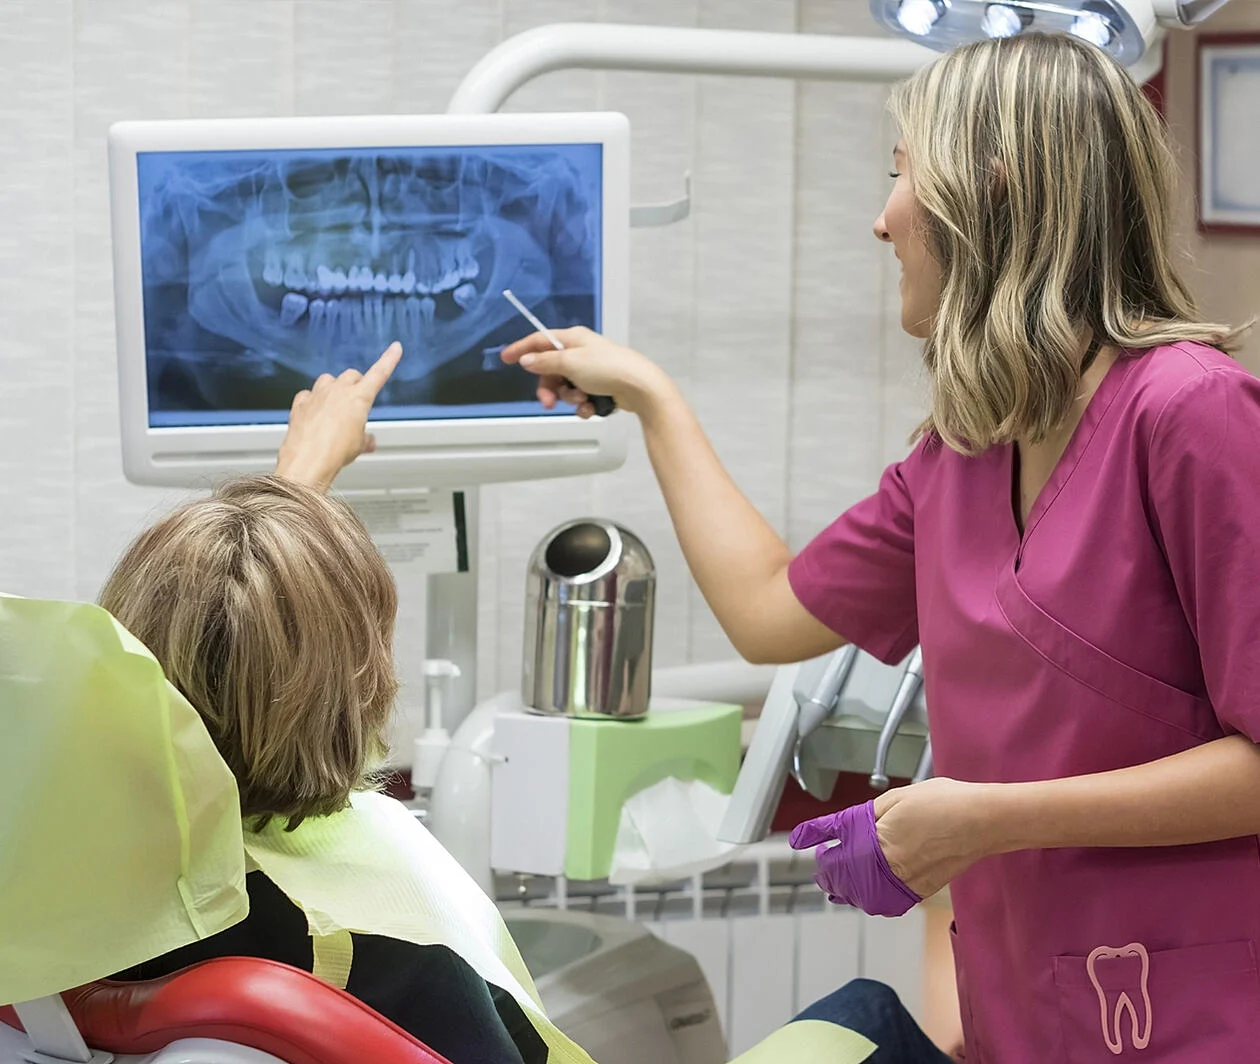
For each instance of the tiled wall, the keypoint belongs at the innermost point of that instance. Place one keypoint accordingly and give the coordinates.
(771, 304)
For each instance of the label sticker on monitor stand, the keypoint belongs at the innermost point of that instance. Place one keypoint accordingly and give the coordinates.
(417, 532)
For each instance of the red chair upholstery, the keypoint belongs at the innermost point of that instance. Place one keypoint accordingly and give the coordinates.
(257, 1003)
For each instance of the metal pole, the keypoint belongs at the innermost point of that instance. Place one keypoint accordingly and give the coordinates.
(611, 46)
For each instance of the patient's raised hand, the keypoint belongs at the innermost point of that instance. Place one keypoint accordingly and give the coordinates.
(328, 423)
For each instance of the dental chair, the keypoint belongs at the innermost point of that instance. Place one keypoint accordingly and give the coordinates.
(120, 840)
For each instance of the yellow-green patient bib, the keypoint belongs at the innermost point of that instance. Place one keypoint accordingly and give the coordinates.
(120, 831)
(374, 869)
(810, 1042)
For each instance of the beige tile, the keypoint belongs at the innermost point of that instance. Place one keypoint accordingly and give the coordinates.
(36, 263)
(240, 58)
(130, 61)
(432, 51)
(343, 57)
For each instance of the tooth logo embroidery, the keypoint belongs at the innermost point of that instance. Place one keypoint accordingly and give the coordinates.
(1113, 1014)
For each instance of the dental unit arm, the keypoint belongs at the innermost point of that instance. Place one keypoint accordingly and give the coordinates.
(859, 693)
(907, 691)
(800, 699)
(821, 702)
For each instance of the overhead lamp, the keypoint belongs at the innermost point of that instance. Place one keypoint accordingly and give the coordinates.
(1093, 27)
(917, 17)
(1126, 29)
(1003, 20)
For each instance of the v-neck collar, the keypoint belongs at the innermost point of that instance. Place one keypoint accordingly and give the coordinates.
(1093, 415)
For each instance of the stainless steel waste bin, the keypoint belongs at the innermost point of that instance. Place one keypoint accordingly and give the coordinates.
(589, 602)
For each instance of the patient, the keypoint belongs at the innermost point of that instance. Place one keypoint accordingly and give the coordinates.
(272, 611)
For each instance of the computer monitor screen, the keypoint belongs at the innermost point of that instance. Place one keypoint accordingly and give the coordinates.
(264, 268)
(253, 255)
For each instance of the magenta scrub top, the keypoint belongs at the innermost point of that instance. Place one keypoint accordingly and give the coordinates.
(1122, 627)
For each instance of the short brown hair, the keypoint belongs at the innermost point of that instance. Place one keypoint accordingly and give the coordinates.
(272, 611)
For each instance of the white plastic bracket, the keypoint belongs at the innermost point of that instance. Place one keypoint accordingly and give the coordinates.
(653, 214)
(54, 1037)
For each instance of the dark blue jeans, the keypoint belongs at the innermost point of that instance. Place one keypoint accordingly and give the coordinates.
(874, 1010)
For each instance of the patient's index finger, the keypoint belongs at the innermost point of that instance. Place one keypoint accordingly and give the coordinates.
(383, 367)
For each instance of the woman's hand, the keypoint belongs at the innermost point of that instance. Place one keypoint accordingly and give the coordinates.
(932, 831)
(328, 423)
(592, 366)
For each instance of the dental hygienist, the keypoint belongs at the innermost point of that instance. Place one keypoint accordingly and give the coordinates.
(1074, 541)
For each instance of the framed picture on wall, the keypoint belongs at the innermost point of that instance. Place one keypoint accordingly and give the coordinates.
(1229, 133)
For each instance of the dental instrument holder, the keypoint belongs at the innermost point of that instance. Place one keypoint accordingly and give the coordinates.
(907, 691)
(818, 705)
(801, 697)
(844, 742)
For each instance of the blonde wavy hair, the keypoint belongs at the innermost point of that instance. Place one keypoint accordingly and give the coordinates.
(1046, 184)
(272, 611)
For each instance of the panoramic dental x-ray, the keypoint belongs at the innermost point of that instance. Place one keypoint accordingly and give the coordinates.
(263, 269)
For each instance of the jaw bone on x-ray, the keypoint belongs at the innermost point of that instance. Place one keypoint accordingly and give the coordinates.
(263, 269)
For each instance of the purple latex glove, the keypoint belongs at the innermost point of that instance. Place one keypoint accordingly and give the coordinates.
(853, 870)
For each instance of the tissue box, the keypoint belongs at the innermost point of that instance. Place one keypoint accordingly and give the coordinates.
(559, 788)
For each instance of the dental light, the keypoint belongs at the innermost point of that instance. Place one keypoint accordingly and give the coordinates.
(1127, 29)
(917, 17)
(1002, 20)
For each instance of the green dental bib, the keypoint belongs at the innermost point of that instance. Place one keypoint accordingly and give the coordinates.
(374, 869)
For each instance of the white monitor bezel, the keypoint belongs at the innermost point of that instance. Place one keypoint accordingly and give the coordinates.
(457, 452)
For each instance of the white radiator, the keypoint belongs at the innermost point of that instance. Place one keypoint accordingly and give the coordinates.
(764, 935)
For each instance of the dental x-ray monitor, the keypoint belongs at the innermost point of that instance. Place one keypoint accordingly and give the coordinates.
(252, 255)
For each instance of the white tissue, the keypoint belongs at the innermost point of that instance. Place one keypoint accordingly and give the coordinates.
(669, 832)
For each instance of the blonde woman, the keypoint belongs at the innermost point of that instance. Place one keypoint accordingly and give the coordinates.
(1074, 541)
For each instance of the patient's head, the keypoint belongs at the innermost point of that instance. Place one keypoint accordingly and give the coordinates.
(271, 609)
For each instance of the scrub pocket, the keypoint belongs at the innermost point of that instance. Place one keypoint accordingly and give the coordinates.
(1178, 1006)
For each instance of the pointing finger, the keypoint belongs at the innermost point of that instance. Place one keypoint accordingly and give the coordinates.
(374, 379)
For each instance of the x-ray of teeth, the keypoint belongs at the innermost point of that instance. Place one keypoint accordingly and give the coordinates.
(263, 269)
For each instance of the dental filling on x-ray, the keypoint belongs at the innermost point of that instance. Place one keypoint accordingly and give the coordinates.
(264, 269)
